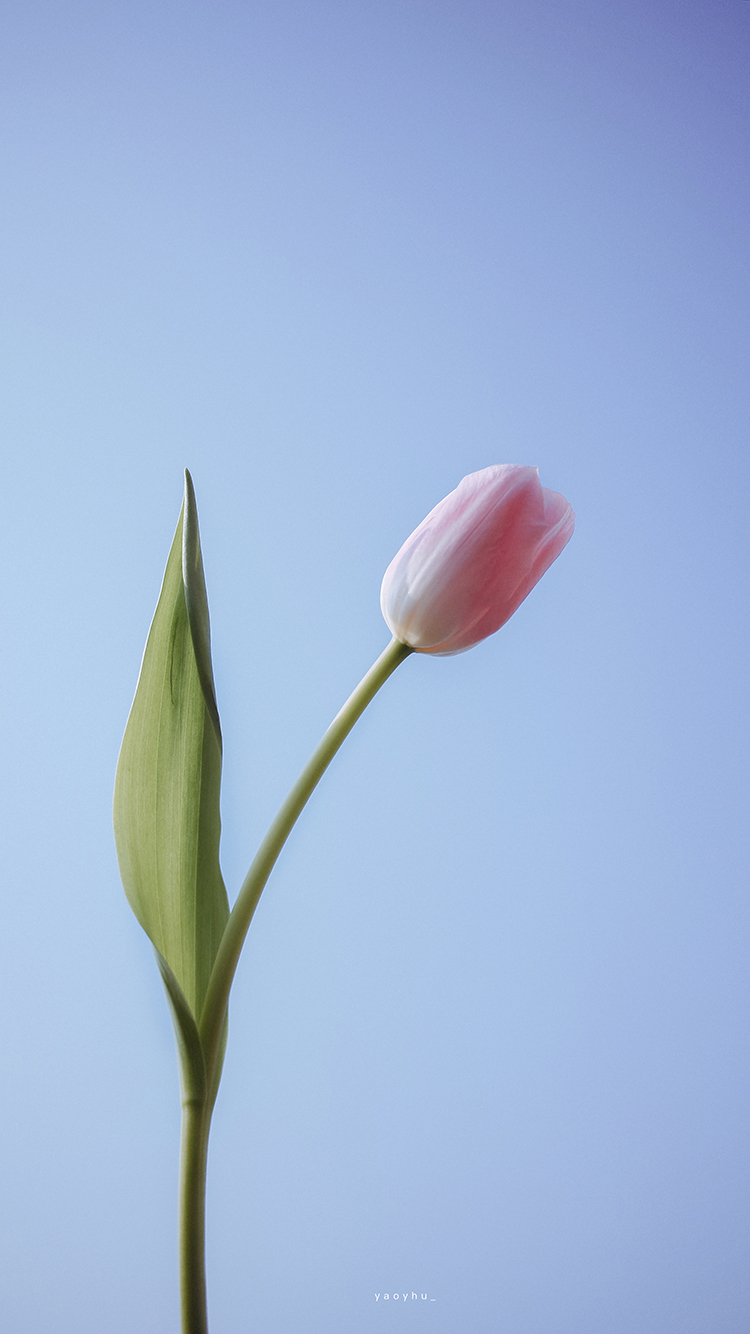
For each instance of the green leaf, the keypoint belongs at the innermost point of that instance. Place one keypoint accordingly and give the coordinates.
(189, 1050)
(166, 808)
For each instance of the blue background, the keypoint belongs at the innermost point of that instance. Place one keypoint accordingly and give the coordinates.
(489, 1035)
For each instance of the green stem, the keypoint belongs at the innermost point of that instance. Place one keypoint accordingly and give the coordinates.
(193, 1153)
(217, 996)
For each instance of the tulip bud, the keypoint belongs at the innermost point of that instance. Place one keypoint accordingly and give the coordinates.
(472, 561)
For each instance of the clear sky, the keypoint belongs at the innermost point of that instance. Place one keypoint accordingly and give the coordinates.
(488, 1039)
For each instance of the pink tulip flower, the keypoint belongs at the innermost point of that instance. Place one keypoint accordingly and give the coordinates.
(472, 561)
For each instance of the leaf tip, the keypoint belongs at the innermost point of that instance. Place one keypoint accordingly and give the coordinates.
(196, 601)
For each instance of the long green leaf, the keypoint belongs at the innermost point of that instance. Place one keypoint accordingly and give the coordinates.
(166, 808)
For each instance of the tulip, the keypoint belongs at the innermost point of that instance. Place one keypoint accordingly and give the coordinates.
(472, 561)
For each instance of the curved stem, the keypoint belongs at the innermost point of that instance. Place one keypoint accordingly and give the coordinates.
(193, 1154)
(225, 964)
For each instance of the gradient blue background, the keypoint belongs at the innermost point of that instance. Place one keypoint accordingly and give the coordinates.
(489, 1035)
